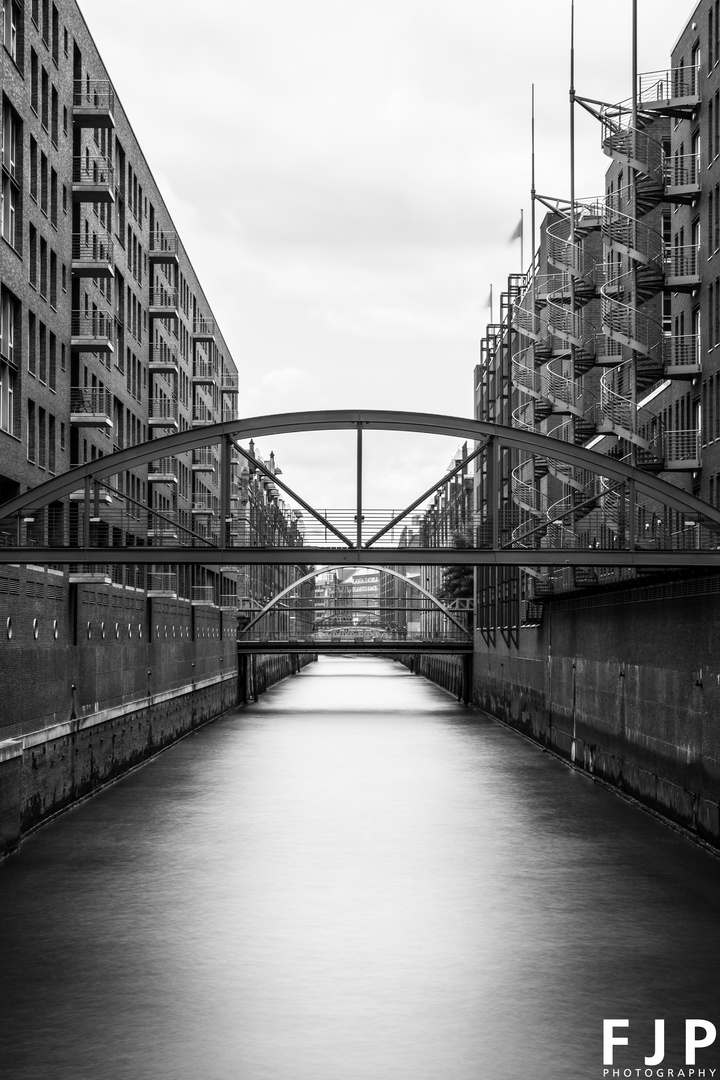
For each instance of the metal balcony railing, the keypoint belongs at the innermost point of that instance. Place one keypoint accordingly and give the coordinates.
(684, 352)
(93, 325)
(204, 504)
(203, 371)
(93, 171)
(161, 584)
(93, 94)
(160, 408)
(682, 170)
(163, 244)
(203, 414)
(91, 401)
(92, 250)
(163, 469)
(230, 382)
(164, 298)
(203, 327)
(657, 86)
(202, 594)
(682, 262)
(203, 458)
(682, 446)
(163, 356)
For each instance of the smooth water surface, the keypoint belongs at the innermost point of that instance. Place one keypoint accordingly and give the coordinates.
(354, 879)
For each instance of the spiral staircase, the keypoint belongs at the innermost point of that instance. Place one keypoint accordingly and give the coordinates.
(605, 312)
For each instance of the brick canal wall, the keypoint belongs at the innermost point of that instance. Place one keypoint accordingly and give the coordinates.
(627, 686)
(48, 770)
(445, 671)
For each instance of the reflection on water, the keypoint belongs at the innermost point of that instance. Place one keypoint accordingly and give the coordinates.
(354, 878)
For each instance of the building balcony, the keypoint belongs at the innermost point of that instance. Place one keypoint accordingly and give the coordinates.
(93, 103)
(202, 595)
(202, 414)
(683, 360)
(230, 382)
(90, 574)
(682, 270)
(204, 329)
(203, 460)
(228, 602)
(204, 373)
(229, 413)
(91, 407)
(203, 505)
(92, 331)
(163, 471)
(93, 179)
(682, 450)
(164, 359)
(163, 248)
(93, 257)
(669, 93)
(163, 413)
(164, 304)
(162, 584)
(682, 178)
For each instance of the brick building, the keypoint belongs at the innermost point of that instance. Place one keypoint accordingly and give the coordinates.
(106, 340)
(609, 340)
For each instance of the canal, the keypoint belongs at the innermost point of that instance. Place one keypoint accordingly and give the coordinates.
(354, 879)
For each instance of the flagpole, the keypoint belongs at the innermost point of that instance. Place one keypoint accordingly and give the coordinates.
(522, 241)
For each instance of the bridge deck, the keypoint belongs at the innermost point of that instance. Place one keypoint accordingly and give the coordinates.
(386, 648)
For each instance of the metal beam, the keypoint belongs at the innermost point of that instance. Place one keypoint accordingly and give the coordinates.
(394, 648)
(383, 557)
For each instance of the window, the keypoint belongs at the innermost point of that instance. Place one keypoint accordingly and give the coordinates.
(43, 268)
(43, 183)
(53, 198)
(42, 447)
(9, 313)
(65, 41)
(55, 33)
(33, 168)
(45, 99)
(54, 113)
(52, 362)
(30, 430)
(35, 9)
(8, 211)
(32, 344)
(34, 80)
(62, 435)
(42, 356)
(32, 263)
(11, 138)
(10, 19)
(7, 398)
(51, 443)
(53, 279)
(65, 120)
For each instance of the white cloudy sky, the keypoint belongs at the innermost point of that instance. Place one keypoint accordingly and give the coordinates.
(346, 175)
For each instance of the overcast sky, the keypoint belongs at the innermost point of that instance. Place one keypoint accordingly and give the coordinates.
(346, 175)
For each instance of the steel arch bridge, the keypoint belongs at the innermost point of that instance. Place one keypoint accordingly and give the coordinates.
(627, 505)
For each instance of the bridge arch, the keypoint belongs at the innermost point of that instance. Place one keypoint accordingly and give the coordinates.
(529, 442)
(327, 569)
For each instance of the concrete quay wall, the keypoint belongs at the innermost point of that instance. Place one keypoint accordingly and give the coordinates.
(51, 769)
(628, 688)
